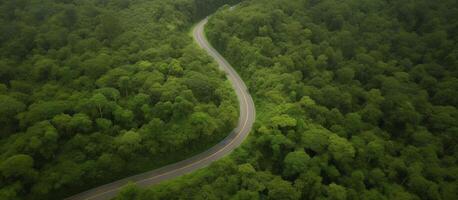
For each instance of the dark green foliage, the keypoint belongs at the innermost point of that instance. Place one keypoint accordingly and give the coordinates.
(355, 100)
(94, 91)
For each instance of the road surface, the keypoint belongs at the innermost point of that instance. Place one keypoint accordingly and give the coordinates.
(223, 148)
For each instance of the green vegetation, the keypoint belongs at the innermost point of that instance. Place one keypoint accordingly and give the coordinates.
(355, 99)
(93, 91)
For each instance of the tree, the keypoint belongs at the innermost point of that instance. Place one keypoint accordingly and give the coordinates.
(110, 163)
(110, 93)
(246, 195)
(202, 123)
(11, 191)
(18, 166)
(45, 69)
(81, 122)
(249, 178)
(295, 163)
(336, 192)
(125, 84)
(280, 189)
(376, 177)
(353, 123)
(129, 192)
(69, 17)
(109, 27)
(315, 140)
(372, 114)
(345, 75)
(175, 68)
(43, 110)
(375, 150)
(9, 108)
(123, 116)
(62, 123)
(100, 102)
(42, 140)
(182, 108)
(97, 66)
(341, 149)
(423, 187)
(357, 180)
(283, 121)
(128, 143)
(309, 184)
(202, 87)
(6, 70)
(103, 124)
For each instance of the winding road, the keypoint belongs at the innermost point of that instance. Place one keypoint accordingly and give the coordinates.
(223, 148)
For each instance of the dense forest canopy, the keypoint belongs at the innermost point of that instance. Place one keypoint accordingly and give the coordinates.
(93, 91)
(355, 99)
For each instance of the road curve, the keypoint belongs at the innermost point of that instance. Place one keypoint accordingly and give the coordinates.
(223, 148)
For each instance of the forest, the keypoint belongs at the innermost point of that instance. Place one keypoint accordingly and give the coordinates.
(355, 99)
(94, 91)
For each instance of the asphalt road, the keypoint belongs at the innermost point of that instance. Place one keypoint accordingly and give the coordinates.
(223, 148)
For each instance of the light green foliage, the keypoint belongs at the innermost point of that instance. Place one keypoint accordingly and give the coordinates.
(175, 68)
(296, 162)
(202, 123)
(316, 140)
(99, 101)
(128, 143)
(341, 149)
(283, 121)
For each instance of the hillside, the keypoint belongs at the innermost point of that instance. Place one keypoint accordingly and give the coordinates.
(355, 100)
(94, 91)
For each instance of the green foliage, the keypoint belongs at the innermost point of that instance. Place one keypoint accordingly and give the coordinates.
(94, 91)
(280, 189)
(19, 165)
(9, 108)
(336, 192)
(355, 100)
(340, 149)
(295, 163)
